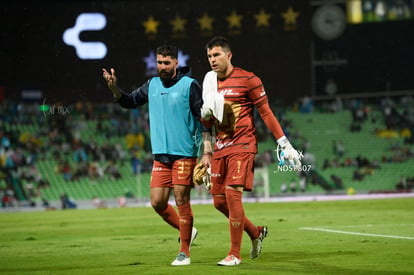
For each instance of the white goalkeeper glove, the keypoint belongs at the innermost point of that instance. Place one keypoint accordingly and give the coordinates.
(288, 155)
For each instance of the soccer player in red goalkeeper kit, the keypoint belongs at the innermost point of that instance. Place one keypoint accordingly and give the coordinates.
(232, 159)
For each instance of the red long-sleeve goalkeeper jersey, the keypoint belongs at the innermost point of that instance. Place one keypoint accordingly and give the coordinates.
(242, 91)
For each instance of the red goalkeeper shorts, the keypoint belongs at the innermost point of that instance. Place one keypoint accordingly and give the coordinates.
(167, 174)
(235, 169)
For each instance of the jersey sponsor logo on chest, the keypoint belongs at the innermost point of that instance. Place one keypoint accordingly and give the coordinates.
(228, 92)
(221, 145)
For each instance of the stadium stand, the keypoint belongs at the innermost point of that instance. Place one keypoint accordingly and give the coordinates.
(389, 157)
(374, 157)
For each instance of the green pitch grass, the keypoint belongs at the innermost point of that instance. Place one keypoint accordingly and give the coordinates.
(342, 237)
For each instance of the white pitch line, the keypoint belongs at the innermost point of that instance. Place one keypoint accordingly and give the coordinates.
(356, 233)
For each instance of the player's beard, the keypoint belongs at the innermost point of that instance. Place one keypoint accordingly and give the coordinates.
(165, 74)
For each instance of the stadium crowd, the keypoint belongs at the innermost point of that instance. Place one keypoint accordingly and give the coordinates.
(124, 140)
(28, 134)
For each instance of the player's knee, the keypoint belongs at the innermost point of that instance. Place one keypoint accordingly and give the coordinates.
(159, 206)
(217, 204)
(220, 204)
(181, 200)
